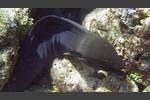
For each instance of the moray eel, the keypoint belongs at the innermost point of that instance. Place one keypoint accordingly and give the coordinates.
(53, 36)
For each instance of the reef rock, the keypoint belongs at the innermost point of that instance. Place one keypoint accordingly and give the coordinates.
(9, 41)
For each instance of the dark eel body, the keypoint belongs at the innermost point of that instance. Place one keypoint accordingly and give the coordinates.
(50, 38)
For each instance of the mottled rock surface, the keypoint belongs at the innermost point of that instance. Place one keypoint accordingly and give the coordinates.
(9, 41)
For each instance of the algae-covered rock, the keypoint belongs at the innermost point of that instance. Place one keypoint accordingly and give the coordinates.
(9, 42)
